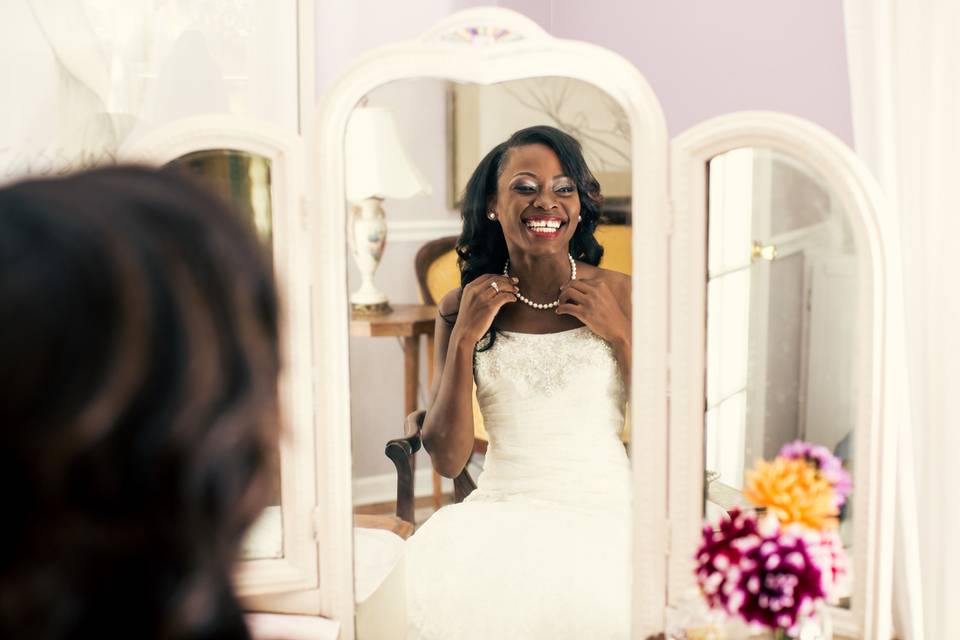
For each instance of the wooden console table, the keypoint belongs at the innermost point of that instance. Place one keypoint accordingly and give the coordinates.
(409, 322)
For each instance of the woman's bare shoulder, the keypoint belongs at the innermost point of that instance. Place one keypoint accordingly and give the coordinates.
(619, 282)
(450, 302)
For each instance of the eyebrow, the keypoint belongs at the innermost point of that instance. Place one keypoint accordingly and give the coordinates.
(533, 175)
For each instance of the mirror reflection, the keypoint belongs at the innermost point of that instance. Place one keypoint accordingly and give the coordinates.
(782, 292)
(490, 246)
(243, 179)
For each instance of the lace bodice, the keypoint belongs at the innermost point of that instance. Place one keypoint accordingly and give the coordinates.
(553, 406)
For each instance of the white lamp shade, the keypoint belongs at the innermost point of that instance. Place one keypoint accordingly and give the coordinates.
(377, 165)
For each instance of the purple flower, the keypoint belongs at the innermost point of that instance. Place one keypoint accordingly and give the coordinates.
(722, 550)
(829, 466)
(778, 581)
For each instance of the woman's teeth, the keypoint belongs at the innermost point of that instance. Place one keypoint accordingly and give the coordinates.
(543, 225)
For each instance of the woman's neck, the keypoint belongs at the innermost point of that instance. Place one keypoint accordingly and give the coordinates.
(541, 276)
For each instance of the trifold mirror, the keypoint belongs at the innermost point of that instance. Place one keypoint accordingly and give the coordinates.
(758, 306)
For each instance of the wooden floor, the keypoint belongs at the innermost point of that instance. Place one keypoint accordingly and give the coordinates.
(422, 508)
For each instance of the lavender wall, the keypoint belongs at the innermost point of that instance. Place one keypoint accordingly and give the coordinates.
(704, 58)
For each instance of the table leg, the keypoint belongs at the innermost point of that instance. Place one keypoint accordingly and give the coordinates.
(437, 489)
(411, 373)
(411, 380)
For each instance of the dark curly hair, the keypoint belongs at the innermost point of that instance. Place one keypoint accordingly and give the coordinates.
(138, 369)
(481, 248)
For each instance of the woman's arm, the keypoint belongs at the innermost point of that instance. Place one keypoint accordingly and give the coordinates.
(447, 432)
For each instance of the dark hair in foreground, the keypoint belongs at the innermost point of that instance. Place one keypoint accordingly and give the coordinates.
(481, 247)
(138, 369)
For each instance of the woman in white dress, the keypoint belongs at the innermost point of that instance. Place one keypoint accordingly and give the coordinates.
(541, 548)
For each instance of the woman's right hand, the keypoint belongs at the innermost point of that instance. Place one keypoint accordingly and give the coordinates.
(480, 301)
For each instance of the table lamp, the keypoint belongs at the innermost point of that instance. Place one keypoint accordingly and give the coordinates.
(377, 167)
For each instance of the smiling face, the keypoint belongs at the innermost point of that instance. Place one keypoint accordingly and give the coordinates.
(536, 203)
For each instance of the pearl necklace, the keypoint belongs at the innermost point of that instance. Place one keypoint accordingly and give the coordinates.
(537, 305)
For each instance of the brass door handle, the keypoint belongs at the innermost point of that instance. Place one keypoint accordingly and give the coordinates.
(766, 252)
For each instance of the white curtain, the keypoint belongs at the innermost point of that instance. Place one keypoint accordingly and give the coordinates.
(905, 79)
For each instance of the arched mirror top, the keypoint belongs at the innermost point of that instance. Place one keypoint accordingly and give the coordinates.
(835, 165)
(209, 132)
(488, 45)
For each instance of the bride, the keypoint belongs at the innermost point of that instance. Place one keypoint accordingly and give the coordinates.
(541, 548)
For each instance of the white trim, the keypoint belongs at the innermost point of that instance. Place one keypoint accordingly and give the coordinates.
(383, 487)
(269, 626)
(306, 63)
(860, 197)
(422, 230)
(530, 53)
(297, 569)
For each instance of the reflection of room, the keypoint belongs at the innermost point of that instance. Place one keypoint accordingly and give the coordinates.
(446, 128)
(781, 314)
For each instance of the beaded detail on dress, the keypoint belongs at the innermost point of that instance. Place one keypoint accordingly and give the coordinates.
(543, 363)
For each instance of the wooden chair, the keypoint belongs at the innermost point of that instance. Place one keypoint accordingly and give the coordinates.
(437, 273)
(401, 452)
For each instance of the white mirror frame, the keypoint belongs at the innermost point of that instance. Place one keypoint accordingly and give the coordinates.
(878, 402)
(488, 45)
(297, 569)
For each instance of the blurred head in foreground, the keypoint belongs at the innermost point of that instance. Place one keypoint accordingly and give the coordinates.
(138, 369)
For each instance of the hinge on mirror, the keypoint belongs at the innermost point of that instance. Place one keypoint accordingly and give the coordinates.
(315, 524)
(668, 543)
(670, 216)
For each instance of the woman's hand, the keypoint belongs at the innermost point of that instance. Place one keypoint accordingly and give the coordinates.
(480, 302)
(594, 303)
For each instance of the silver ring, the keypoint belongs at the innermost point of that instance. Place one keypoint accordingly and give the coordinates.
(495, 285)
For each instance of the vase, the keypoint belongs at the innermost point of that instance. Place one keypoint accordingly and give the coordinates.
(817, 627)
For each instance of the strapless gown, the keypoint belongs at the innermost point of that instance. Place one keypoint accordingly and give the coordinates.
(541, 549)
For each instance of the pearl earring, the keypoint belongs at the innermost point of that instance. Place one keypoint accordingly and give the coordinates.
(492, 215)
(579, 218)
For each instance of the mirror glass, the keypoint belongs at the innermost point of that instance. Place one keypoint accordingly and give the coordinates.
(540, 409)
(782, 300)
(244, 180)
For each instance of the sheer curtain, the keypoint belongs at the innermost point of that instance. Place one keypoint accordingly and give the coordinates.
(905, 81)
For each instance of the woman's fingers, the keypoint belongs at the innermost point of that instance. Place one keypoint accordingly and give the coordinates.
(572, 310)
(573, 295)
(501, 284)
(504, 297)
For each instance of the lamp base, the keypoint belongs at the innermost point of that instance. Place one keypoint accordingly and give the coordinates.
(374, 309)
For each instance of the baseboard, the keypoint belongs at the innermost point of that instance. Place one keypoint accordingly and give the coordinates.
(383, 487)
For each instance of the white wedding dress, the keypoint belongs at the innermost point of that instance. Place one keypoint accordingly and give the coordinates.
(541, 549)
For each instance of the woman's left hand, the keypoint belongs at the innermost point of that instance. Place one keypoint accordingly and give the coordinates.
(593, 302)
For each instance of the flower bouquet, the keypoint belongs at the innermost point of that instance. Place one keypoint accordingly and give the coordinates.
(774, 566)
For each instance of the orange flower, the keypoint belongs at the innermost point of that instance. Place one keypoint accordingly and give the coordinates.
(794, 491)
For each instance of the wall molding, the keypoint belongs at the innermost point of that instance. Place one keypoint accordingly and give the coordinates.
(383, 487)
(422, 230)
